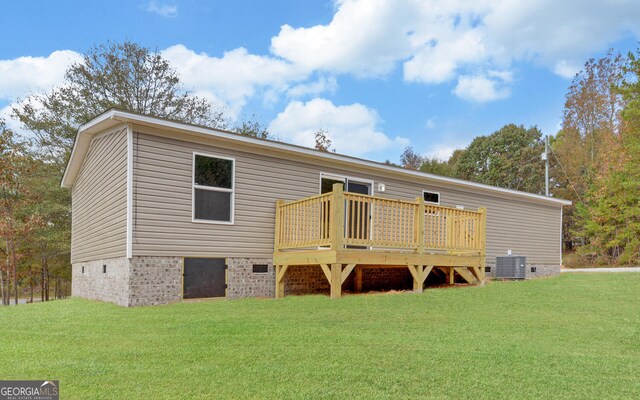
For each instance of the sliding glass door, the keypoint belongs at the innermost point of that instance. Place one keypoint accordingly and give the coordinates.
(354, 211)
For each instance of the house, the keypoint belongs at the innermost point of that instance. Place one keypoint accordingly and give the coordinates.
(164, 211)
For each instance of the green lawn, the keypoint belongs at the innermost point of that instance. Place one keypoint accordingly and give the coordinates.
(573, 336)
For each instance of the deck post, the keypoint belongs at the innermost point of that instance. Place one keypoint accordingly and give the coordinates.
(358, 279)
(483, 242)
(418, 281)
(276, 232)
(337, 217)
(336, 281)
(280, 271)
(419, 228)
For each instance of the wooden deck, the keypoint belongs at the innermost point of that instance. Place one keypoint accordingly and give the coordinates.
(341, 232)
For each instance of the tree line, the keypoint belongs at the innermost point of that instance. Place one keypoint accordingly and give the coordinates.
(594, 158)
(35, 212)
(594, 162)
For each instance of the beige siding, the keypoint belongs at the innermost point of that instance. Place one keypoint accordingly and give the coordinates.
(99, 200)
(163, 210)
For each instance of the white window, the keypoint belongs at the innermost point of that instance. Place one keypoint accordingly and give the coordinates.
(431, 197)
(213, 188)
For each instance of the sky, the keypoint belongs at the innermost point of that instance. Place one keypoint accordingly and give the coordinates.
(377, 75)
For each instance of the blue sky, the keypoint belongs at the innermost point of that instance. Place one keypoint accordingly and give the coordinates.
(376, 74)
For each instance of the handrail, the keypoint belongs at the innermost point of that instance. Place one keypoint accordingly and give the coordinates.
(338, 219)
(303, 223)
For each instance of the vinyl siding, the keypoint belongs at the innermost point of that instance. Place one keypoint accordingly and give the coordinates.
(162, 202)
(99, 200)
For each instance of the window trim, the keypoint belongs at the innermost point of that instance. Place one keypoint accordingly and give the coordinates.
(213, 189)
(345, 179)
(431, 202)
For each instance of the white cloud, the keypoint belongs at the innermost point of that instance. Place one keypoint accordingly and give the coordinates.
(504, 76)
(473, 43)
(445, 146)
(438, 63)
(567, 69)
(233, 78)
(441, 152)
(162, 9)
(438, 41)
(5, 114)
(21, 75)
(353, 129)
(550, 31)
(11, 123)
(322, 85)
(481, 88)
(362, 39)
(431, 123)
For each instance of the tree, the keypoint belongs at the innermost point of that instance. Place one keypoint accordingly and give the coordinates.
(509, 158)
(593, 106)
(17, 224)
(323, 143)
(124, 75)
(611, 213)
(410, 159)
(588, 141)
(49, 251)
(253, 128)
(435, 166)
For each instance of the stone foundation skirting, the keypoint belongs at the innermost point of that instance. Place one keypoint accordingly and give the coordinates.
(531, 271)
(105, 280)
(142, 281)
(145, 281)
(242, 281)
(139, 281)
(155, 280)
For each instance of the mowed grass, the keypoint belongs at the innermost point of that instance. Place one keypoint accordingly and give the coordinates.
(573, 336)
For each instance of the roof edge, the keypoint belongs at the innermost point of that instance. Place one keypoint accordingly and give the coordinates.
(114, 117)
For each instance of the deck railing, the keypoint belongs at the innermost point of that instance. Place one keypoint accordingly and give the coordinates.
(339, 220)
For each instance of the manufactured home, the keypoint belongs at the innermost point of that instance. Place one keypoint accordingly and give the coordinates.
(164, 211)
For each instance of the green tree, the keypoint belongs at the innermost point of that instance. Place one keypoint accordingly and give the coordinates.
(49, 251)
(410, 159)
(251, 127)
(124, 75)
(611, 214)
(509, 158)
(435, 166)
(588, 141)
(17, 224)
(593, 105)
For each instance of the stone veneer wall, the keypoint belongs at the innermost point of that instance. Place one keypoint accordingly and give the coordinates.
(112, 286)
(541, 270)
(140, 281)
(145, 281)
(243, 282)
(155, 280)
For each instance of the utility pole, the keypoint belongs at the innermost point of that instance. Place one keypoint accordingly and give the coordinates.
(545, 157)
